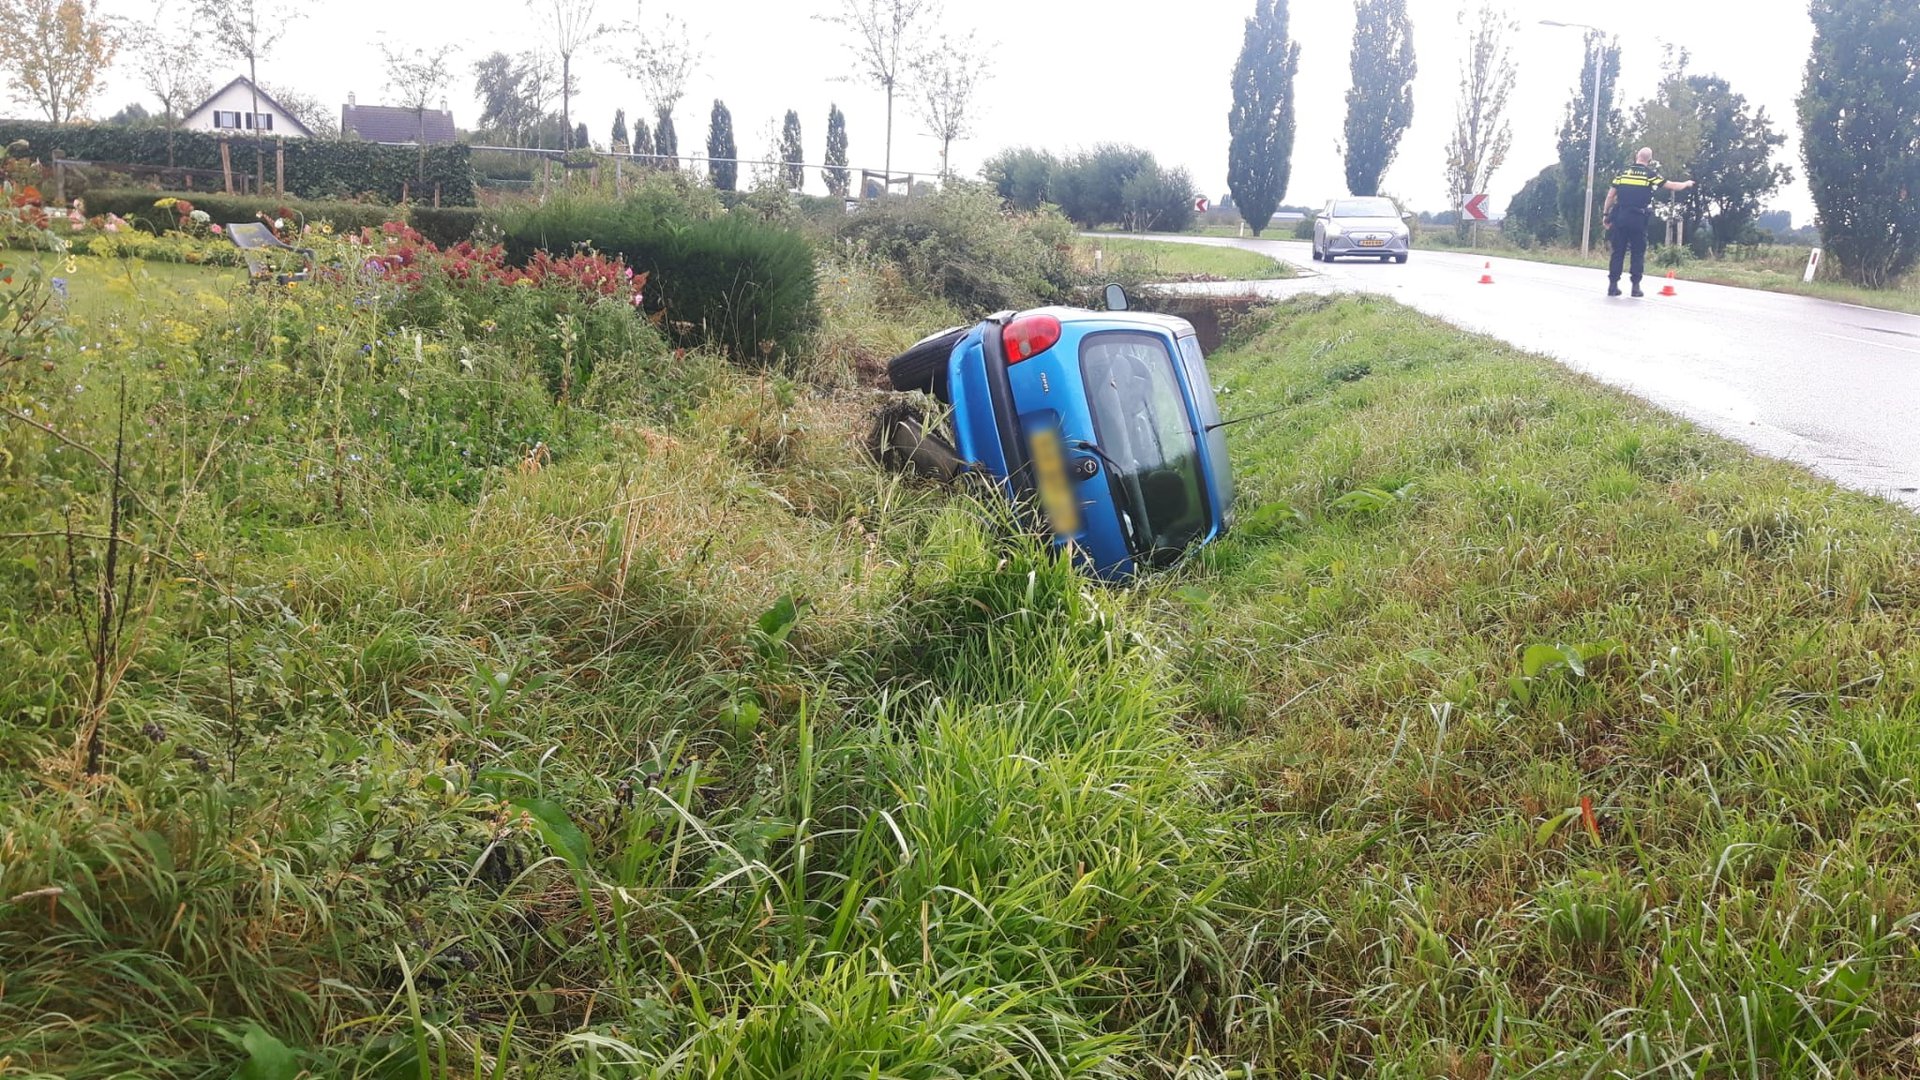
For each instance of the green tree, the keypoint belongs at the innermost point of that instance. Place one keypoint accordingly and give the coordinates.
(1534, 215)
(721, 151)
(1860, 122)
(1023, 176)
(581, 139)
(642, 145)
(1481, 132)
(1260, 127)
(506, 107)
(666, 141)
(620, 136)
(1380, 102)
(1729, 157)
(838, 180)
(1576, 136)
(792, 155)
(1157, 200)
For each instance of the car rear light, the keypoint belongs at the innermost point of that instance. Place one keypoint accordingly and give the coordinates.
(1030, 335)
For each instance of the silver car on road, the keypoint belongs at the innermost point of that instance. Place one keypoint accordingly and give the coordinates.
(1368, 226)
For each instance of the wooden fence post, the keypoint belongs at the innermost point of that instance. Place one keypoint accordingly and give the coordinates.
(59, 180)
(403, 192)
(226, 163)
(436, 196)
(280, 166)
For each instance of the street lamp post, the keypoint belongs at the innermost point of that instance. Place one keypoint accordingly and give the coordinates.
(1593, 131)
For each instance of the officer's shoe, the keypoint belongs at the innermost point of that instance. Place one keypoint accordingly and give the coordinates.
(1637, 292)
(1613, 288)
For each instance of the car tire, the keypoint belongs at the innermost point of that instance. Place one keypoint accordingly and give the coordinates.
(919, 368)
(1316, 253)
(1400, 259)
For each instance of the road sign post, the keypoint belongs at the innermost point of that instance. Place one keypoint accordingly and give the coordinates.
(1200, 204)
(1475, 208)
(1813, 265)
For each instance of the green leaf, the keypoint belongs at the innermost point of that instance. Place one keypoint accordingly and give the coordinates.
(267, 1057)
(1539, 658)
(1554, 824)
(558, 830)
(779, 620)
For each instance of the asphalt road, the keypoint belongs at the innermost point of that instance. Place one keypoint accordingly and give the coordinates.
(1831, 386)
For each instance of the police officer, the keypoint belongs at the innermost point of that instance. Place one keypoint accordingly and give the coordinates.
(1628, 210)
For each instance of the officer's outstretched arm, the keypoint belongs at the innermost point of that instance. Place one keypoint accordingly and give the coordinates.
(1678, 185)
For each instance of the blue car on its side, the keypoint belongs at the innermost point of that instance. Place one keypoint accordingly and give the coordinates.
(1102, 422)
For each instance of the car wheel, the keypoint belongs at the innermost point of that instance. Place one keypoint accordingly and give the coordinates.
(920, 366)
(1316, 253)
(1400, 258)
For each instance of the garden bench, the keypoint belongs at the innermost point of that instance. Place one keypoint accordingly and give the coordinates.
(259, 246)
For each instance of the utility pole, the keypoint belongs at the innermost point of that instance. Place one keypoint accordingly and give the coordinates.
(1593, 131)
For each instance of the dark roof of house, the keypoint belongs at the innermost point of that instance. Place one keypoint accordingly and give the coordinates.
(241, 80)
(395, 124)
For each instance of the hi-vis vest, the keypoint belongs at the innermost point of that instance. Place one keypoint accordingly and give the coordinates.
(1633, 189)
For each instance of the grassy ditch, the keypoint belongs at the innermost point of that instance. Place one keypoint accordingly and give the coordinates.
(1517, 726)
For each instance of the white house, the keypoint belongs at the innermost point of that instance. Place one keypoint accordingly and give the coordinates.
(231, 109)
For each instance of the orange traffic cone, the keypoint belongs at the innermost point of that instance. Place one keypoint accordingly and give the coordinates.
(1486, 278)
(1669, 290)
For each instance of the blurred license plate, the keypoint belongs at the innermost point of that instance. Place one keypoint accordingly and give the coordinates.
(1373, 241)
(1050, 481)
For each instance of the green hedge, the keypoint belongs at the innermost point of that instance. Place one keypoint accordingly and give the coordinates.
(445, 226)
(730, 280)
(316, 168)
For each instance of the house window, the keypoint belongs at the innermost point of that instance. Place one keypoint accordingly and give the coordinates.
(222, 119)
(260, 121)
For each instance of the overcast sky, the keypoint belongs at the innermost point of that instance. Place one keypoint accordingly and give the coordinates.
(1067, 75)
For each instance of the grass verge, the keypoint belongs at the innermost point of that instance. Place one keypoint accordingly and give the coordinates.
(1771, 270)
(1165, 261)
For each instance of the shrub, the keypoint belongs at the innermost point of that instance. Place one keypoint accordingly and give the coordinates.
(959, 246)
(723, 279)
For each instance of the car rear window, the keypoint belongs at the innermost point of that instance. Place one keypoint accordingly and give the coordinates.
(1140, 418)
(1365, 208)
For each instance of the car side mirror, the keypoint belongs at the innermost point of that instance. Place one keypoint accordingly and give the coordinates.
(1116, 298)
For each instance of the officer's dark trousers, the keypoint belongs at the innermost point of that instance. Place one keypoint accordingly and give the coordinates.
(1628, 235)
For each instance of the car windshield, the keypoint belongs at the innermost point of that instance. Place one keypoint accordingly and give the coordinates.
(1146, 436)
(1364, 208)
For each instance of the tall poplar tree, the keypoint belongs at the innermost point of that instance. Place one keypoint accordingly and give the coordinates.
(721, 150)
(1380, 102)
(1860, 121)
(793, 169)
(1260, 153)
(839, 181)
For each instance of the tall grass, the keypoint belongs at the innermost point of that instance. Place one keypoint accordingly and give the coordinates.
(1517, 730)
